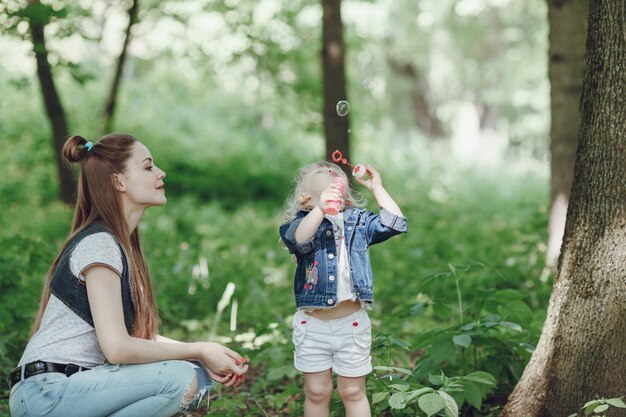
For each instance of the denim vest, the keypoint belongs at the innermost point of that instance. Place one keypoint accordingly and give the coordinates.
(317, 258)
(73, 292)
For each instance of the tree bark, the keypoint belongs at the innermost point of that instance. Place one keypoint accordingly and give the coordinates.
(581, 353)
(568, 31)
(334, 79)
(109, 108)
(54, 107)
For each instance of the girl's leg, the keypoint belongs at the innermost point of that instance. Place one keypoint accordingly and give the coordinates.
(352, 393)
(318, 387)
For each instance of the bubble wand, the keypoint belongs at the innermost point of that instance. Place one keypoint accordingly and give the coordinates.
(359, 171)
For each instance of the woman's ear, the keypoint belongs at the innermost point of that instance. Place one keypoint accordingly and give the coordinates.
(117, 183)
(303, 198)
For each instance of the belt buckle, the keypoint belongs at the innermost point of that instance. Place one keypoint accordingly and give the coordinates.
(71, 369)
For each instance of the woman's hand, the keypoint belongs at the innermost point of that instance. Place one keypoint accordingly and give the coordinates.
(229, 380)
(223, 364)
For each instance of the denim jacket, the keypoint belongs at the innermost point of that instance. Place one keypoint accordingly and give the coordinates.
(71, 291)
(317, 258)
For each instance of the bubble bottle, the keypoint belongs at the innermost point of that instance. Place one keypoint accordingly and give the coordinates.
(358, 172)
(332, 207)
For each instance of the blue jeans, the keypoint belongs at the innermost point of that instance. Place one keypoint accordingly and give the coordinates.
(152, 389)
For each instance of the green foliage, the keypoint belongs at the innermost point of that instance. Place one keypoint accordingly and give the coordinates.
(598, 406)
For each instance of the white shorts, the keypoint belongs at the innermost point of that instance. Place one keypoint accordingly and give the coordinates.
(342, 345)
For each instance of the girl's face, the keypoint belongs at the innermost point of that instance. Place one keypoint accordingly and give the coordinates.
(316, 181)
(142, 182)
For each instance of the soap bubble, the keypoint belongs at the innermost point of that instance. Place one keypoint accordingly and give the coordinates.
(343, 108)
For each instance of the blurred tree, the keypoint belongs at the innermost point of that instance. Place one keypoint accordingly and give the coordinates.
(69, 19)
(424, 111)
(336, 123)
(109, 107)
(38, 15)
(582, 350)
(568, 31)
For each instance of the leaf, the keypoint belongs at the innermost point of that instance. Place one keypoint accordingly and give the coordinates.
(601, 408)
(435, 379)
(463, 340)
(468, 326)
(451, 408)
(442, 311)
(431, 403)
(481, 377)
(416, 393)
(442, 351)
(399, 387)
(400, 343)
(511, 325)
(379, 396)
(516, 311)
(473, 395)
(392, 369)
(616, 402)
(418, 308)
(398, 400)
(589, 407)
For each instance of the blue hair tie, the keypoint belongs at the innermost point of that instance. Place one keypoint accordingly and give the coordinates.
(89, 145)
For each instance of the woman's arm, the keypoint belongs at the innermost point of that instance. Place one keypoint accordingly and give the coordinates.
(229, 380)
(103, 291)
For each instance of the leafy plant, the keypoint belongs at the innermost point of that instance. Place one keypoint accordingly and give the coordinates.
(598, 406)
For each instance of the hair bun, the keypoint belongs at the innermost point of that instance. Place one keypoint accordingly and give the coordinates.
(74, 149)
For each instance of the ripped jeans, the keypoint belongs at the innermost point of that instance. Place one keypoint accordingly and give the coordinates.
(152, 389)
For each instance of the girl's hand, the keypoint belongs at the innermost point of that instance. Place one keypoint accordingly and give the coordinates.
(373, 180)
(222, 361)
(331, 193)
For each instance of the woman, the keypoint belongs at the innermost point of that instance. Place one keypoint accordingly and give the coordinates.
(95, 348)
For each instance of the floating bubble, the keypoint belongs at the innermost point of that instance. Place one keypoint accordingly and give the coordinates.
(343, 108)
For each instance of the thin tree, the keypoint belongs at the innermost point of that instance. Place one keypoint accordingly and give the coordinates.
(109, 108)
(581, 353)
(38, 16)
(334, 79)
(568, 31)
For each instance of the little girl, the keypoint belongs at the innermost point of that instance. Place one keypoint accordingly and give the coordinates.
(333, 282)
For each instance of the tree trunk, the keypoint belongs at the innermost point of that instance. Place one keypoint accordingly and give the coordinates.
(54, 108)
(582, 350)
(109, 108)
(568, 31)
(334, 78)
(425, 115)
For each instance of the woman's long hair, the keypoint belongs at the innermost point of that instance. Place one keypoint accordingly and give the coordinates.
(98, 200)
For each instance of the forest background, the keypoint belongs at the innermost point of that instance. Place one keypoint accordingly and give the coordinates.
(450, 100)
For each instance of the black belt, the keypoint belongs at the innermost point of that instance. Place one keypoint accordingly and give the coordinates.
(40, 367)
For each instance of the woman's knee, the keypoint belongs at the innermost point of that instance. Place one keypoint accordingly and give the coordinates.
(181, 380)
(319, 391)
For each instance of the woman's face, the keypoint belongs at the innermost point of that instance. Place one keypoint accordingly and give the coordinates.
(142, 182)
